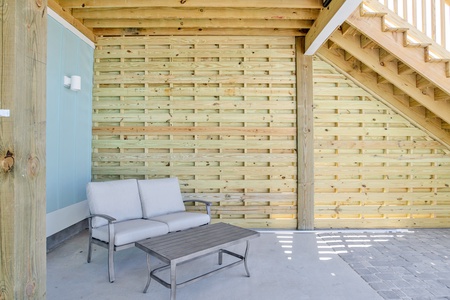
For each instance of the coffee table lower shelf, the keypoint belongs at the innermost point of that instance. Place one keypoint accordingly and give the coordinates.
(185, 246)
(242, 259)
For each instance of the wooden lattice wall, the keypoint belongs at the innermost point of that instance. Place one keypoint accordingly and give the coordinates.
(218, 113)
(373, 168)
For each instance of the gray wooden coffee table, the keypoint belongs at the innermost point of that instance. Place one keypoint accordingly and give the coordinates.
(178, 247)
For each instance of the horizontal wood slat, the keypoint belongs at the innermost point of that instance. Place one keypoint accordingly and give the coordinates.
(194, 130)
(190, 79)
(191, 53)
(199, 41)
(207, 65)
(192, 157)
(205, 91)
(204, 104)
(394, 222)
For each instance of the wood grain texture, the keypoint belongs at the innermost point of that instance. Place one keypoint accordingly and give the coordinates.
(305, 137)
(22, 196)
(218, 113)
(233, 135)
(373, 168)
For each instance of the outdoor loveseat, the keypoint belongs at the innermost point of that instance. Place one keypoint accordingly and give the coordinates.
(126, 211)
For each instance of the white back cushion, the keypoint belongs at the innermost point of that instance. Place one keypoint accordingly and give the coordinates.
(160, 197)
(118, 199)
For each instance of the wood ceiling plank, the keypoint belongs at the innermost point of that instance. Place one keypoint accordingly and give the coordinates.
(198, 32)
(188, 40)
(198, 23)
(316, 4)
(196, 13)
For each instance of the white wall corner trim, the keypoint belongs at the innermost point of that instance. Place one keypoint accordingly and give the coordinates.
(70, 27)
(62, 218)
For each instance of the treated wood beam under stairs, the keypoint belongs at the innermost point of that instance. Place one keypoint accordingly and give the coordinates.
(329, 19)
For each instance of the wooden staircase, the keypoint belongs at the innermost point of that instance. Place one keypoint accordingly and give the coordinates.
(397, 62)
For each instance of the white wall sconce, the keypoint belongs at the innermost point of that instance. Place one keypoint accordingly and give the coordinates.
(73, 82)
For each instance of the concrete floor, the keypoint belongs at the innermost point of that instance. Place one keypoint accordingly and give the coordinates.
(283, 265)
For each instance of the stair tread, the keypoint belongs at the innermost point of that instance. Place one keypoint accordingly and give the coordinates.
(395, 29)
(416, 45)
(372, 14)
(432, 59)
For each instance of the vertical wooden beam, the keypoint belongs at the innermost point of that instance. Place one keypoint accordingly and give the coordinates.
(22, 149)
(305, 136)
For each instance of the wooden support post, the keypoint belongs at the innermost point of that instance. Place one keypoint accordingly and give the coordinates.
(23, 53)
(305, 137)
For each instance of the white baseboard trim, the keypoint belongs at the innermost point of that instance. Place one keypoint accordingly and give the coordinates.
(62, 218)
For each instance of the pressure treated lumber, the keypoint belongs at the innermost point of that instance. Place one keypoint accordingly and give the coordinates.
(370, 58)
(71, 20)
(191, 3)
(218, 113)
(305, 138)
(329, 19)
(373, 167)
(22, 136)
(414, 58)
(383, 91)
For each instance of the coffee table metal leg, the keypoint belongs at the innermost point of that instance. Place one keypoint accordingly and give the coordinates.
(173, 280)
(245, 259)
(220, 256)
(149, 277)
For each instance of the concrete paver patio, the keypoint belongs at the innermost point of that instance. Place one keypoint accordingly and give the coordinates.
(402, 264)
(409, 264)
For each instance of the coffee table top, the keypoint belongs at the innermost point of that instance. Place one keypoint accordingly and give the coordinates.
(194, 242)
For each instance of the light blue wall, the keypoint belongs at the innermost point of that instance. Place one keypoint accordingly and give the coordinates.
(69, 117)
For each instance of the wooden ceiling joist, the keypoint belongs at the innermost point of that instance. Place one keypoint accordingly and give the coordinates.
(194, 17)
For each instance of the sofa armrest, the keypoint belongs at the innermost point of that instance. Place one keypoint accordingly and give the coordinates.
(207, 204)
(108, 218)
(111, 230)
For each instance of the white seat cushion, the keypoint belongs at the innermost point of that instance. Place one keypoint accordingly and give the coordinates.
(160, 197)
(183, 220)
(131, 231)
(118, 199)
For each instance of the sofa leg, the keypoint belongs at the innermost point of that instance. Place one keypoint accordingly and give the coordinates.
(89, 256)
(111, 264)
